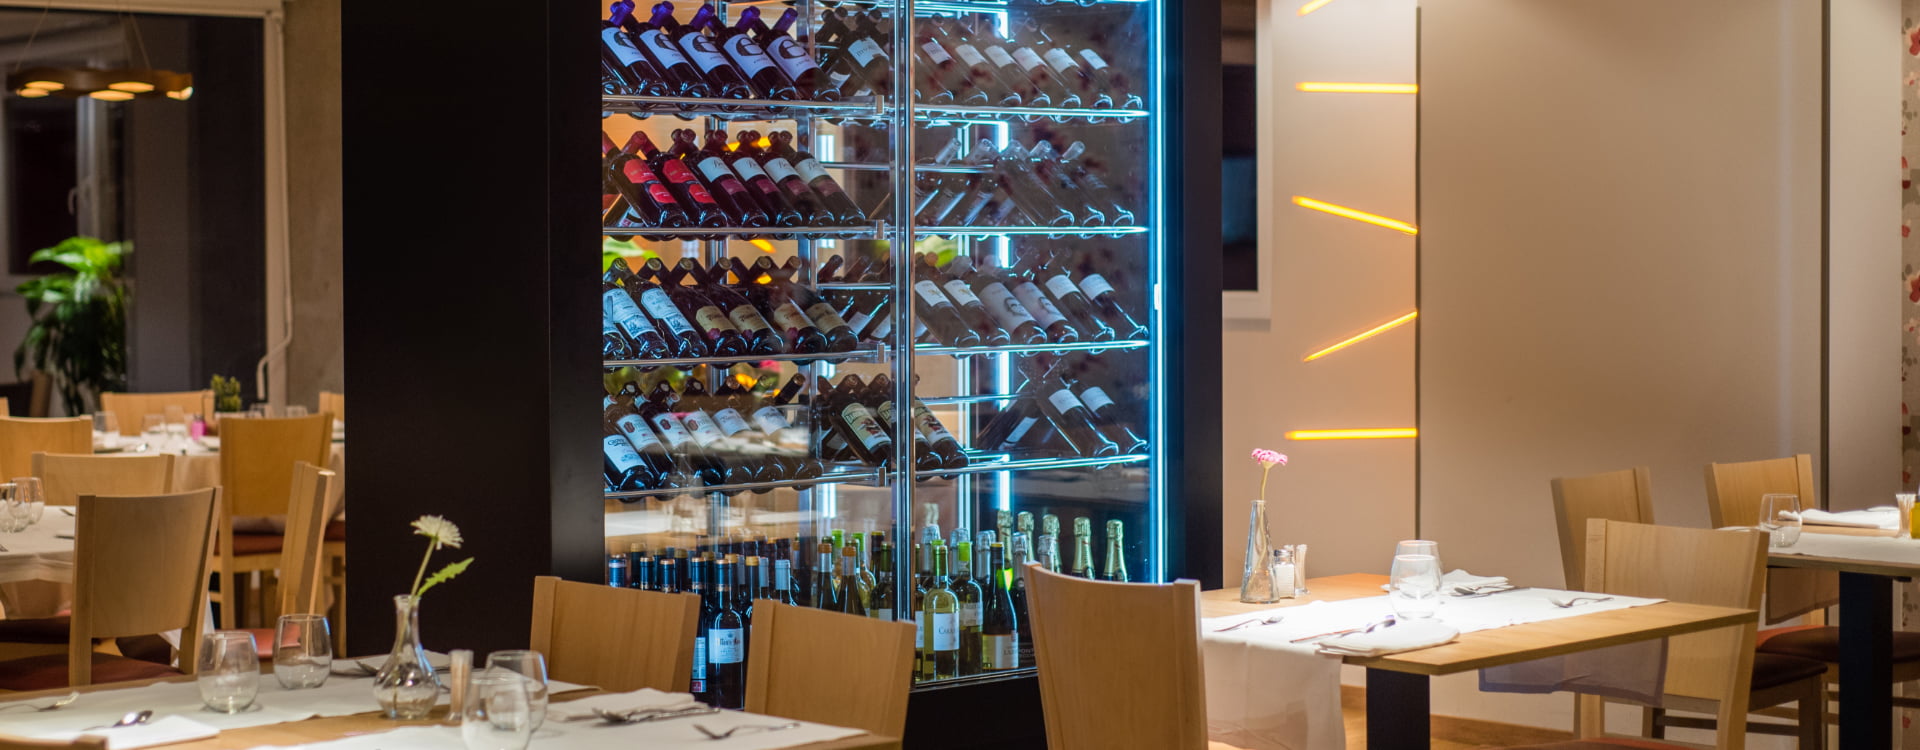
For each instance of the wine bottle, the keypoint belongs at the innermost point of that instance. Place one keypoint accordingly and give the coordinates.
(858, 425)
(977, 82)
(697, 582)
(880, 393)
(1059, 57)
(678, 440)
(790, 55)
(825, 316)
(798, 333)
(842, 75)
(1071, 418)
(969, 594)
(881, 607)
(780, 212)
(1106, 303)
(856, 592)
(1052, 174)
(620, 55)
(1092, 185)
(867, 50)
(1034, 65)
(699, 204)
(726, 647)
(758, 578)
(641, 437)
(972, 311)
(679, 75)
(812, 210)
(940, 441)
(625, 469)
(1006, 69)
(773, 422)
(1059, 330)
(834, 199)
(642, 191)
(618, 574)
(1083, 548)
(625, 331)
(716, 330)
(759, 337)
(1011, 426)
(720, 452)
(640, 567)
(998, 301)
(1068, 299)
(940, 624)
(1036, 198)
(726, 188)
(827, 593)
(751, 60)
(942, 316)
(667, 579)
(940, 74)
(681, 337)
(1107, 417)
(782, 582)
(725, 79)
(999, 630)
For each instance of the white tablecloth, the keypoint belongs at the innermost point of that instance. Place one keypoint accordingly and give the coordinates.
(1266, 693)
(38, 554)
(1875, 548)
(671, 734)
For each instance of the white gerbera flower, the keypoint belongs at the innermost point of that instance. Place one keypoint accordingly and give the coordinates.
(440, 530)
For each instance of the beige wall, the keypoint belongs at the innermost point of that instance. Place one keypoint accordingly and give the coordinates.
(314, 360)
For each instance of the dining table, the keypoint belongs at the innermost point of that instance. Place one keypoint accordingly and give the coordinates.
(1398, 690)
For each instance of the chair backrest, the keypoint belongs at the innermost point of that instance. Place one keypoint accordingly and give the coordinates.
(303, 552)
(257, 458)
(618, 639)
(1624, 495)
(140, 567)
(64, 477)
(1733, 499)
(22, 437)
(80, 743)
(335, 404)
(1695, 566)
(131, 409)
(828, 667)
(1119, 662)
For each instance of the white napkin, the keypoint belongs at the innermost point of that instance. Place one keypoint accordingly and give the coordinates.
(1871, 518)
(638, 699)
(163, 731)
(1404, 635)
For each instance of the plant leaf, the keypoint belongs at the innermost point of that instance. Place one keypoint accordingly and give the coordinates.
(444, 574)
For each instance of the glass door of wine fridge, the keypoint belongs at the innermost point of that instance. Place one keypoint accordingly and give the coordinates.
(879, 312)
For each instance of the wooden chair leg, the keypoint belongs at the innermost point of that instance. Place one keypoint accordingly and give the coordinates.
(1652, 725)
(229, 599)
(1813, 716)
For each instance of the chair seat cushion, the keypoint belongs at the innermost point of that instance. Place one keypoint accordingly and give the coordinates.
(1774, 670)
(36, 630)
(1822, 643)
(263, 642)
(50, 671)
(254, 544)
(1603, 743)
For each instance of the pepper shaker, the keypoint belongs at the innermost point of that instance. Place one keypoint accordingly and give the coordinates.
(461, 667)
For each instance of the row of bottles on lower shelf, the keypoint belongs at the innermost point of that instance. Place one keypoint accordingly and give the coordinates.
(970, 615)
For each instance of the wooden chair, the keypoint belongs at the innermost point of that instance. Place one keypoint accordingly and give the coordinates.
(618, 639)
(34, 396)
(301, 582)
(1625, 495)
(1153, 697)
(335, 404)
(22, 437)
(81, 743)
(64, 477)
(140, 567)
(257, 458)
(872, 661)
(131, 409)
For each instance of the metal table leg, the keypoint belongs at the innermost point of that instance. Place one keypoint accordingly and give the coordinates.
(1866, 661)
(1398, 707)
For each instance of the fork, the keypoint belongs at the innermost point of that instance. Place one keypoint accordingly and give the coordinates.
(54, 706)
(1249, 623)
(1569, 602)
(712, 735)
(1387, 623)
(652, 714)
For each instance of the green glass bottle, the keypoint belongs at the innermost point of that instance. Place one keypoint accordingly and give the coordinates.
(939, 624)
(999, 632)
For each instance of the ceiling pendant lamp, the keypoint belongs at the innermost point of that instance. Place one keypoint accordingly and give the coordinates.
(103, 84)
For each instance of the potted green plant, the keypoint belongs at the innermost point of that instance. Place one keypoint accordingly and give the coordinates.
(79, 331)
(226, 394)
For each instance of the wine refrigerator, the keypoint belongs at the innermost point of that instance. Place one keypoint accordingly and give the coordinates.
(894, 299)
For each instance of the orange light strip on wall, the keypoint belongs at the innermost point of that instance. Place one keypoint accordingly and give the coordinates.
(1326, 87)
(1313, 6)
(1355, 214)
(1369, 333)
(1395, 432)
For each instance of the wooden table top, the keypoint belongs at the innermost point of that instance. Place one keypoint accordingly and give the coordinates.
(333, 728)
(1500, 646)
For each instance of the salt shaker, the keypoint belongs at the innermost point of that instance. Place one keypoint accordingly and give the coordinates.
(461, 668)
(1282, 570)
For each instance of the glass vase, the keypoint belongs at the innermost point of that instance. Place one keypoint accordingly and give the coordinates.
(405, 686)
(1256, 577)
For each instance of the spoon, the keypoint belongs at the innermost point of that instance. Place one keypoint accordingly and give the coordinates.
(132, 719)
(1275, 619)
(54, 706)
(713, 735)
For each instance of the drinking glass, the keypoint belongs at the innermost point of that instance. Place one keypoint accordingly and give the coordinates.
(296, 411)
(153, 430)
(229, 671)
(531, 665)
(176, 426)
(302, 651)
(108, 425)
(12, 515)
(498, 715)
(1418, 547)
(1415, 580)
(1780, 518)
(1905, 500)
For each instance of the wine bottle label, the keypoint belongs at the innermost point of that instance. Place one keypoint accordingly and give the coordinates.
(701, 49)
(1095, 399)
(999, 652)
(749, 169)
(946, 631)
(705, 432)
(747, 319)
(931, 293)
(969, 55)
(662, 309)
(1000, 57)
(1093, 59)
(749, 56)
(636, 172)
(883, 613)
(858, 322)
(715, 169)
(810, 170)
(924, 421)
(620, 454)
(781, 171)
(1027, 59)
(1064, 400)
(793, 58)
(783, 574)
(730, 421)
(881, 329)
(865, 51)
(1006, 310)
(607, 328)
(699, 665)
(726, 646)
(826, 317)
(621, 310)
(920, 631)
(1019, 432)
(1059, 60)
(1037, 304)
(638, 433)
(713, 320)
(1095, 286)
(789, 316)
(969, 614)
(1062, 287)
(672, 430)
(770, 419)
(865, 428)
(622, 45)
(936, 53)
(663, 49)
(961, 293)
(678, 173)
(885, 410)
(839, 79)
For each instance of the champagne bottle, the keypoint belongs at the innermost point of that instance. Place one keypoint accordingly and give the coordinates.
(726, 647)
(826, 590)
(679, 75)
(1116, 553)
(790, 55)
(972, 311)
(971, 623)
(699, 204)
(1022, 553)
(725, 79)
(834, 199)
(1050, 542)
(940, 625)
(999, 632)
(1083, 548)
(751, 59)
(856, 591)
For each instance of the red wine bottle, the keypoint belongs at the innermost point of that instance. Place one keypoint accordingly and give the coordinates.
(621, 56)
(760, 337)
(813, 212)
(726, 81)
(797, 330)
(626, 418)
(735, 468)
(642, 191)
(647, 336)
(679, 75)
(682, 339)
(1012, 426)
(769, 196)
(835, 200)
(825, 316)
(721, 338)
(657, 410)
(692, 195)
(624, 468)
(790, 55)
(752, 60)
(727, 189)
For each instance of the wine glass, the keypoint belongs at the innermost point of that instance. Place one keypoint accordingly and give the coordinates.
(1780, 518)
(1415, 581)
(497, 715)
(229, 674)
(153, 431)
(531, 665)
(295, 410)
(12, 516)
(302, 651)
(108, 425)
(33, 501)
